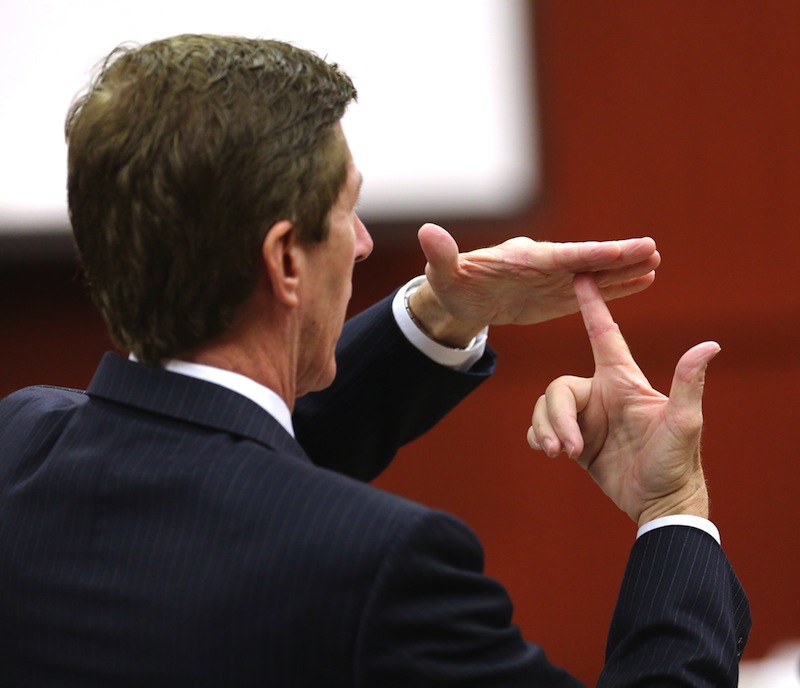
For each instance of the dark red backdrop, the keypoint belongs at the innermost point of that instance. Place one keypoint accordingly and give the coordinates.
(675, 119)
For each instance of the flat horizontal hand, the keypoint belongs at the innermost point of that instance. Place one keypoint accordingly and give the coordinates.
(523, 281)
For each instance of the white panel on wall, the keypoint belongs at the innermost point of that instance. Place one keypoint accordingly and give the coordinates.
(445, 124)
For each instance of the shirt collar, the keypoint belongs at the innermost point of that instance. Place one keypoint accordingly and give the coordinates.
(257, 393)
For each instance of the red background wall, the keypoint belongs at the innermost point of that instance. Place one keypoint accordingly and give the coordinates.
(673, 119)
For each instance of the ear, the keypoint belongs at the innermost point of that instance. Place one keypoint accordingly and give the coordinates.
(282, 257)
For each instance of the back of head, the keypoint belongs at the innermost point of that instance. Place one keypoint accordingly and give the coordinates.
(182, 153)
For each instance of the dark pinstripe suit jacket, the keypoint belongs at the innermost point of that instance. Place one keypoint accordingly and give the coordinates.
(162, 531)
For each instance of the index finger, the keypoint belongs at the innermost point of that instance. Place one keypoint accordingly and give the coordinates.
(608, 344)
(593, 256)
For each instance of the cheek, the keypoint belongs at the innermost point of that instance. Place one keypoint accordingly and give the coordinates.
(342, 270)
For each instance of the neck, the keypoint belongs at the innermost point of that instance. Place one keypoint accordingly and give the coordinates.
(260, 348)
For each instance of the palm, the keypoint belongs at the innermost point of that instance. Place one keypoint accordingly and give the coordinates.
(633, 453)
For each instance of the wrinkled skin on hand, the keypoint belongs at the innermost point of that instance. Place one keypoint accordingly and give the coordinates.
(640, 446)
(523, 281)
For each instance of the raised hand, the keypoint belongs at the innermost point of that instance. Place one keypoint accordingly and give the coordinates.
(641, 447)
(523, 281)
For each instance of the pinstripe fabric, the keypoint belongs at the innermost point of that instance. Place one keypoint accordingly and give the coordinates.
(391, 393)
(688, 613)
(162, 531)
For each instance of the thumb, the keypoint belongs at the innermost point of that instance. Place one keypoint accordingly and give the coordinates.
(690, 374)
(440, 249)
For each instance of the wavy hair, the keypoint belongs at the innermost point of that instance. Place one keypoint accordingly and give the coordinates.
(182, 153)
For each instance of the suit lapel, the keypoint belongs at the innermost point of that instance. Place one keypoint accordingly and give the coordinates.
(169, 394)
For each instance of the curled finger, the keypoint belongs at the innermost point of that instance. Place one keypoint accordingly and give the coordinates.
(541, 435)
(554, 425)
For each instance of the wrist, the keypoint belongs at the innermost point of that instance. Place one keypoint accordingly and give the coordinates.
(437, 323)
(688, 503)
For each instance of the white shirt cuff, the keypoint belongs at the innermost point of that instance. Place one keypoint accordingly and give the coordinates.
(681, 520)
(457, 359)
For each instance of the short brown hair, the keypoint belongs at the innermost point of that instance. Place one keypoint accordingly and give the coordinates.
(182, 153)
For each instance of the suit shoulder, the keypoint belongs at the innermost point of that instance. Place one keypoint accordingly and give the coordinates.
(39, 400)
(341, 512)
(31, 422)
(396, 525)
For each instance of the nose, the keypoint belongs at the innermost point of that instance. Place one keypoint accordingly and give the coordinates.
(363, 240)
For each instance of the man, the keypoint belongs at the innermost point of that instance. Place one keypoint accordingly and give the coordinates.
(165, 528)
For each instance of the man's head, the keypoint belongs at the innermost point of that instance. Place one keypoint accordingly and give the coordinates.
(182, 154)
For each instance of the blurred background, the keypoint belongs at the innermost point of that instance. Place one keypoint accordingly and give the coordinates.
(673, 119)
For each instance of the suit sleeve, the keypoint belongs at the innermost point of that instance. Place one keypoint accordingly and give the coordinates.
(682, 617)
(386, 393)
(434, 619)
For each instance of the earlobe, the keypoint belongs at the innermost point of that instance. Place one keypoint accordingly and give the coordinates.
(281, 256)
